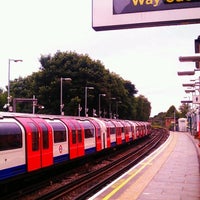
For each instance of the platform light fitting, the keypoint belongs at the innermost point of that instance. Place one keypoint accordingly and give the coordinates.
(185, 73)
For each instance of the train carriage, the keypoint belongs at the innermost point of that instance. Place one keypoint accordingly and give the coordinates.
(12, 148)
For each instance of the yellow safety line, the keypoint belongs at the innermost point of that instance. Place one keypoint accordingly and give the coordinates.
(143, 165)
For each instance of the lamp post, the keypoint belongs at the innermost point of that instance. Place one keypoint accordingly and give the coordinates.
(117, 108)
(110, 107)
(9, 61)
(100, 103)
(61, 94)
(86, 109)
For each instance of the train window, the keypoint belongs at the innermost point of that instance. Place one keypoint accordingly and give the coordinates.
(59, 132)
(88, 129)
(128, 129)
(119, 131)
(112, 130)
(98, 131)
(35, 137)
(73, 136)
(111, 126)
(10, 136)
(108, 133)
(77, 126)
(73, 133)
(45, 136)
(80, 135)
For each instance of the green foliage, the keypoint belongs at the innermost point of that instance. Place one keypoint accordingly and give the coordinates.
(184, 108)
(84, 72)
(143, 108)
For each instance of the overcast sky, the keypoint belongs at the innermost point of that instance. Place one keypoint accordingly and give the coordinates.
(148, 57)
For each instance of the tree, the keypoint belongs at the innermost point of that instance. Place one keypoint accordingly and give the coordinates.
(84, 72)
(184, 109)
(172, 112)
(143, 108)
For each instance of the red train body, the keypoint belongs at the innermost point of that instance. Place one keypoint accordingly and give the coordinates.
(32, 142)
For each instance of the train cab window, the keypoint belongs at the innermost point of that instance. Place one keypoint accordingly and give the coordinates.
(35, 137)
(45, 136)
(59, 132)
(88, 129)
(10, 136)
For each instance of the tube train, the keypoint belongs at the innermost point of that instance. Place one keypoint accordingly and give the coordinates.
(31, 142)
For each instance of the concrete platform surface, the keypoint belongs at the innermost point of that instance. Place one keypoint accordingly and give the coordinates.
(170, 173)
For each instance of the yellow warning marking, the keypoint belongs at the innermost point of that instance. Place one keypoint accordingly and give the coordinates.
(139, 185)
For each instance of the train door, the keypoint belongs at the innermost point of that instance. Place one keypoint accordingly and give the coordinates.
(137, 128)
(38, 148)
(126, 130)
(76, 138)
(111, 133)
(89, 136)
(97, 135)
(107, 137)
(118, 132)
(132, 129)
(46, 142)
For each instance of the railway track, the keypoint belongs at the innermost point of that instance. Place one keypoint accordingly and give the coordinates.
(92, 182)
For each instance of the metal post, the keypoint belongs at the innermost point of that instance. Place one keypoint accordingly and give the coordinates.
(86, 109)
(8, 97)
(34, 104)
(174, 121)
(100, 103)
(61, 103)
(61, 94)
(86, 101)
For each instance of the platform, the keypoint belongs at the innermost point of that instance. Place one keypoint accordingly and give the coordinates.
(170, 173)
